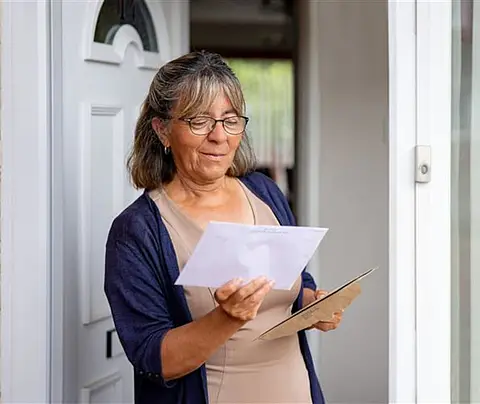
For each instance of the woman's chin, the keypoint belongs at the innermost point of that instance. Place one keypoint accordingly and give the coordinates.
(214, 173)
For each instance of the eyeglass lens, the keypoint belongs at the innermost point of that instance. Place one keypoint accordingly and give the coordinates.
(203, 125)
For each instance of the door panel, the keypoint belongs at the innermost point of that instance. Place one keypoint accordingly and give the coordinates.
(111, 51)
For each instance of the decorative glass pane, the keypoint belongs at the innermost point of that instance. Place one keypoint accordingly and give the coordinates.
(115, 13)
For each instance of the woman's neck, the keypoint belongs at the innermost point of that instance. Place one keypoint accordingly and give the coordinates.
(186, 190)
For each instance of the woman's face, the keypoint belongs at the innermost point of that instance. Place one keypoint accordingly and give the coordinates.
(204, 158)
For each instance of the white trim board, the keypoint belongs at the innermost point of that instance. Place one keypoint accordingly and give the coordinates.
(57, 358)
(433, 215)
(25, 202)
(402, 138)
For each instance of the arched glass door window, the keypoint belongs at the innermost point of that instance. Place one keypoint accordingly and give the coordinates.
(115, 13)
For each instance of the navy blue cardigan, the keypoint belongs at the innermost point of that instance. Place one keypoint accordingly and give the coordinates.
(140, 271)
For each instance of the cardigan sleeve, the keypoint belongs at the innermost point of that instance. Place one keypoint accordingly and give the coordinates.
(137, 301)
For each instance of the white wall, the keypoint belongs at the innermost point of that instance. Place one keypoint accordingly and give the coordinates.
(24, 225)
(353, 183)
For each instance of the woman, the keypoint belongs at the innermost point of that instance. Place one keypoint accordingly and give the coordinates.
(197, 345)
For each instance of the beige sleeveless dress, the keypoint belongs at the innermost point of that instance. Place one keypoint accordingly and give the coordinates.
(243, 370)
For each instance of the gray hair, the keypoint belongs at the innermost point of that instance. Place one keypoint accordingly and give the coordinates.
(185, 87)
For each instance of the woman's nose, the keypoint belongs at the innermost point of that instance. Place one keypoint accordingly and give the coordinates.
(218, 133)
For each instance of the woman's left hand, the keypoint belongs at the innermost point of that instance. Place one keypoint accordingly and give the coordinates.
(308, 297)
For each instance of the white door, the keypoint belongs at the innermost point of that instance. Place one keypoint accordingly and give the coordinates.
(111, 51)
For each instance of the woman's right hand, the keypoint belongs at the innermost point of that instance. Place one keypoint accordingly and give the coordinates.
(242, 302)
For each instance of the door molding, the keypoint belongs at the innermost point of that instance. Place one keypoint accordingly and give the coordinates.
(26, 201)
(402, 139)
(57, 359)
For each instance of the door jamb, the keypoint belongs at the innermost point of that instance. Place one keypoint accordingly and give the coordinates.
(402, 139)
(433, 214)
(26, 201)
(56, 240)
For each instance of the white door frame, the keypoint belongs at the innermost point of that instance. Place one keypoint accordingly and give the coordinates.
(420, 263)
(433, 214)
(26, 201)
(57, 207)
(402, 140)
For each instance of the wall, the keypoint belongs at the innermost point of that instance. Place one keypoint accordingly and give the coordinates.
(353, 185)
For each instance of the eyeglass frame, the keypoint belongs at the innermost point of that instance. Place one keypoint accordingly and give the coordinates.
(189, 120)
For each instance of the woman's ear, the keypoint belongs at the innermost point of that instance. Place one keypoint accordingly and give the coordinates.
(161, 131)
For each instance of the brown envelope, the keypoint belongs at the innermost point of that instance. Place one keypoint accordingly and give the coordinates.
(320, 310)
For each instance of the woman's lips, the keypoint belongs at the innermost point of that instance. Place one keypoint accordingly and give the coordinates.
(214, 156)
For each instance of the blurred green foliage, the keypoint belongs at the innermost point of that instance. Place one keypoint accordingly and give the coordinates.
(269, 91)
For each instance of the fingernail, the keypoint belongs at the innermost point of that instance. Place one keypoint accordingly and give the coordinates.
(271, 283)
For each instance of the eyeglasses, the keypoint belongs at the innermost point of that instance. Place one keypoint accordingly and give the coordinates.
(203, 125)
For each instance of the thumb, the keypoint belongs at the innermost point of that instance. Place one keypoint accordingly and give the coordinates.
(320, 293)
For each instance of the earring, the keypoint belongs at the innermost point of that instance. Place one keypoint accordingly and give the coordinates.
(167, 150)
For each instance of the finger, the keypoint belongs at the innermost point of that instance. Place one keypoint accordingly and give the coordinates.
(337, 317)
(248, 308)
(228, 289)
(332, 327)
(250, 288)
(323, 326)
(324, 323)
(334, 320)
(257, 297)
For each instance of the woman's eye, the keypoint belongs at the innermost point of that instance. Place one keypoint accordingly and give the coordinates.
(232, 121)
(199, 123)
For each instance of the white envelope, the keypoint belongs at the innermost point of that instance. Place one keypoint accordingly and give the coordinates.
(229, 250)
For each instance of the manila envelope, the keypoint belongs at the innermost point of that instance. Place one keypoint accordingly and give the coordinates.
(319, 310)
